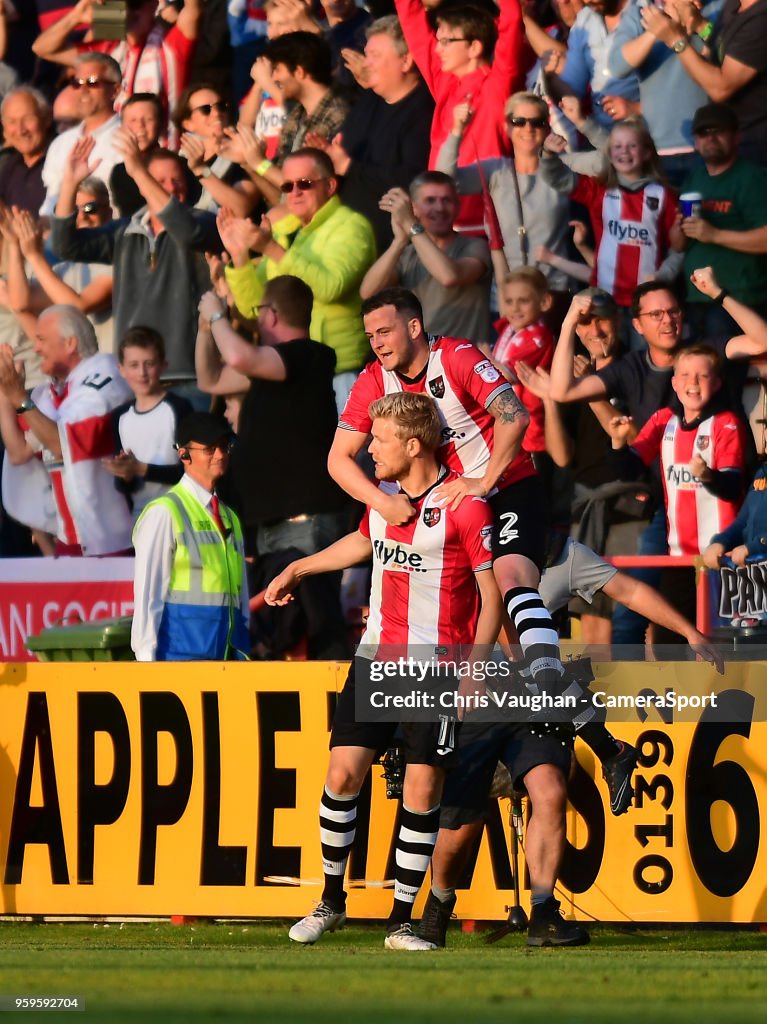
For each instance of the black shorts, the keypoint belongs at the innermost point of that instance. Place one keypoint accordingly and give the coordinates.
(519, 516)
(432, 743)
(480, 747)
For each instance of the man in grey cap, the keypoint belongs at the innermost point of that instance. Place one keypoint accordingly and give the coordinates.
(190, 588)
(730, 232)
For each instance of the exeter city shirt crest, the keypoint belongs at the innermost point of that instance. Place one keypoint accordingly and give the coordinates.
(437, 387)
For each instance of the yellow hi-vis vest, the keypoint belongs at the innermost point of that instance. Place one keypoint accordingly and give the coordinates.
(202, 619)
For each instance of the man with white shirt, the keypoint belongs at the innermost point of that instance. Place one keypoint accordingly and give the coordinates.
(70, 418)
(190, 588)
(97, 82)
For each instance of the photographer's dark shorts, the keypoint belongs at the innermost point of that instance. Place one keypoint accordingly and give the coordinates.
(432, 743)
(519, 519)
(481, 746)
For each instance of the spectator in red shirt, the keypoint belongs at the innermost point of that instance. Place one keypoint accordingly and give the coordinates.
(524, 337)
(470, 59)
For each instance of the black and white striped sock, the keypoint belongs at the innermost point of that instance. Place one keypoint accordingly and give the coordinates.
(537, 637)
(415, 845)
(338, 821)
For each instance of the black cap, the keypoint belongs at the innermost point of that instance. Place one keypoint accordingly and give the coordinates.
(202, 427)
(715, 115)
(602, 302)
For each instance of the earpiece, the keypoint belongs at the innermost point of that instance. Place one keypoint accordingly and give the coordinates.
(184, 455)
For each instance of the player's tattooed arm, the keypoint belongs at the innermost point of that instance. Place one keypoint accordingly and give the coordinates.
(507, 407)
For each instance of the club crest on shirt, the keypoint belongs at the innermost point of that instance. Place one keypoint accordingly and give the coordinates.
(437, 386)
(702, 443)
(652, 202)
(487, 371)
(431, 516)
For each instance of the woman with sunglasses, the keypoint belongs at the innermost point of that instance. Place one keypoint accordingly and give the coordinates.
(203, 116)
(531, 213)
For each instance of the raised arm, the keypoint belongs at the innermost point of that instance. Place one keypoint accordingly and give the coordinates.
(239, 198)
(95, 296)
(420, 39)
(12, 386)
(213, 377)
(559, 445)
(246, 360)
(564, 385)
(753, 341)
(17, 450)
(719, 82)
(53, 43)
(189, 18)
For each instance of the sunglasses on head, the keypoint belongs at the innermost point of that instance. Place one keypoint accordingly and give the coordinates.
(302, 184)
(206, 109)
(534, 122)
(91, 82)
(88, 208)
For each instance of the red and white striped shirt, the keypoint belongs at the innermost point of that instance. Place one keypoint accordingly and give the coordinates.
(631, 230)
(533, 345)
(693, 514)
(160, 65)
(91, 511)
(463, 384)
(423, 589)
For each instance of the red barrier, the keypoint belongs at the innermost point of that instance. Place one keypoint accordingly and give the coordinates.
(702, 607)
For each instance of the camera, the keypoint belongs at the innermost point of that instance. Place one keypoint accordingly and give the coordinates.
(109, 20)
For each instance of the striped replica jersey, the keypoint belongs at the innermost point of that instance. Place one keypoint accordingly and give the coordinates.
(693, 514)
(160, 65)
(463, 384)
(423, 589)
(631, 230)
(533, 345)
(90, 510)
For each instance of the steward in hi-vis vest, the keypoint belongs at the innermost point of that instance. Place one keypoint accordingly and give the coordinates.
(190, 589)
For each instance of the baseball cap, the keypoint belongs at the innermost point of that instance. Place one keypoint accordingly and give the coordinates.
(202, 427)
(715, 115)
(602, 302)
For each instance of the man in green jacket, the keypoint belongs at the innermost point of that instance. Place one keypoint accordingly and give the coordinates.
(321, 241)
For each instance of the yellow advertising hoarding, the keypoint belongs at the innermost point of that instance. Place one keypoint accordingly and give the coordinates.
(194, 789)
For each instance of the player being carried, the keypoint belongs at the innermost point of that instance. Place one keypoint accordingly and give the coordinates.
(452, 599)
(483, 424)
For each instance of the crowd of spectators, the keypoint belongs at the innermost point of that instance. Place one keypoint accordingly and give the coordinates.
(578, 187)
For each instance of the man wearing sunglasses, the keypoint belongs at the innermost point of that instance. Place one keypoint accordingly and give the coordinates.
(156, 253)
(154, 57)
(97, 82)
(190, 588)
(323, 243)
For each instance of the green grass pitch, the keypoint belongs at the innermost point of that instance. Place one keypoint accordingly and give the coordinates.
(238, 972)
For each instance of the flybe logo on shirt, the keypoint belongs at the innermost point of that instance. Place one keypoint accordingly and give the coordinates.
(680, 476)
(628, 231)
(398, 556)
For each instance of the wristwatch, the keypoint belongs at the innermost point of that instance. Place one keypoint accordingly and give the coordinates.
(26, 406)
(217, 316)
(681, 45)
(205, 172)
(416, 229)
